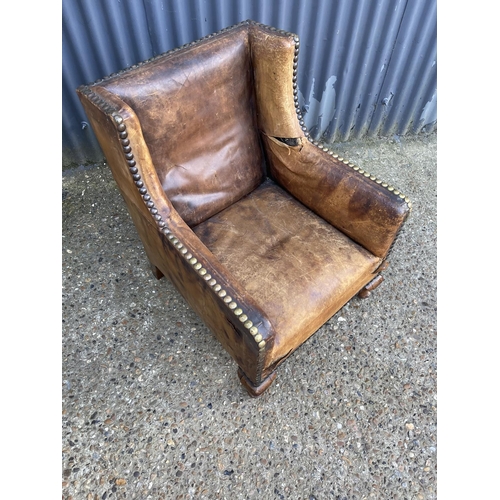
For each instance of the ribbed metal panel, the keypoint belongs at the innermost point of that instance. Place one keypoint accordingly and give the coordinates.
(366, 67)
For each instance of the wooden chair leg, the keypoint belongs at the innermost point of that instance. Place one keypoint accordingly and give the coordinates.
(367, 290)
(156, 272)
(255, 390)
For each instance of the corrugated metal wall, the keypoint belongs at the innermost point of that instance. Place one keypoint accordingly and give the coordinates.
(366, 67)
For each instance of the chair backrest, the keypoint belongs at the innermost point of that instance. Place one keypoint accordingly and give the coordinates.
(197, 110)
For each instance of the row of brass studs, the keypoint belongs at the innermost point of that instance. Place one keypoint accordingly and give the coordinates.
(168, 52)
(197, 266)
(106, 106)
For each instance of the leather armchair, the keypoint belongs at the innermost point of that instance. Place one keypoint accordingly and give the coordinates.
(265, 232)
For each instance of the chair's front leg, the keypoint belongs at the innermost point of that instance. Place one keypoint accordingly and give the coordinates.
(255, 390)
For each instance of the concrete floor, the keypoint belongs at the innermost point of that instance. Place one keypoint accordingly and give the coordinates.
(153, 408)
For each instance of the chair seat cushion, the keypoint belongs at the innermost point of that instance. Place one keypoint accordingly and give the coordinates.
(298, 268)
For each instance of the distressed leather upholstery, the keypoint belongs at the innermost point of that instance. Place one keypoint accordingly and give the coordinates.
(265, 233)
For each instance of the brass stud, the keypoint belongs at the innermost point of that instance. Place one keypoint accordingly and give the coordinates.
(254, 330)
(339, 158)
(346, 162)
(262, 344)
(238, 311)
(207, 277)
(391, 188)
(355, 168)
(217, 288)
(258, 338)
(193, 260)
(351, 164)
(384, 184)
(396, 191)
(366, 174)
(378, 181)
(248, 324)
(232, 305)
(183, 251)
(372, 177)
(335, 155)
(174, 240)
(202, 271)
(243, 318)
(188, 256)
(212, 282)
(401, 195)
(222, 293)
(179, 245)
(197, 266)
(361, 171)
(227, 299)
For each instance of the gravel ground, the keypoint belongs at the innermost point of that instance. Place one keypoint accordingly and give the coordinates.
(152, 407)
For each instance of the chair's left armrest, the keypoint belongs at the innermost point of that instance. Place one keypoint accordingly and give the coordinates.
(363, 207)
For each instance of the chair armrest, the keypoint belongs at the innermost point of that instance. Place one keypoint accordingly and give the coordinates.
(170, 244)
(364, 208)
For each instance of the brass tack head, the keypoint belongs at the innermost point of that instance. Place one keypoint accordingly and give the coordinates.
(222, 293)
(346, 162)
(179, 245)
(396, 191)
(174, 240)
(207, 277)
(330, 152)
(202, 271)
(372, 177)
(361, 171)
(197, 266)
(409, 204)
(171, 236)
(248, 324)
(378, 181)
(217, 288)
(254, 331)
(258, 337)
(238, 311)
(262, 344)
(351, 164)
(188, 256)
(407, 199)
(335, 155)
(391, 188)
(183, 251)
(384, 184)
(193, 260)
(366, 174)
(401, 195)
(243, 318)
(118, 119)
(340, 158)
(232, 305)
(227, 299)
(355, 168)
(212, 282)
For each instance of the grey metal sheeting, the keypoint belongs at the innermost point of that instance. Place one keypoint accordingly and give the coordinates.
(367, 68)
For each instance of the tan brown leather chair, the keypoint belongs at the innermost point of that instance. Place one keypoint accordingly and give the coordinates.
(264, 232)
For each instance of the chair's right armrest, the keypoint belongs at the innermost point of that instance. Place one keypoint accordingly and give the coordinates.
(364, 208)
